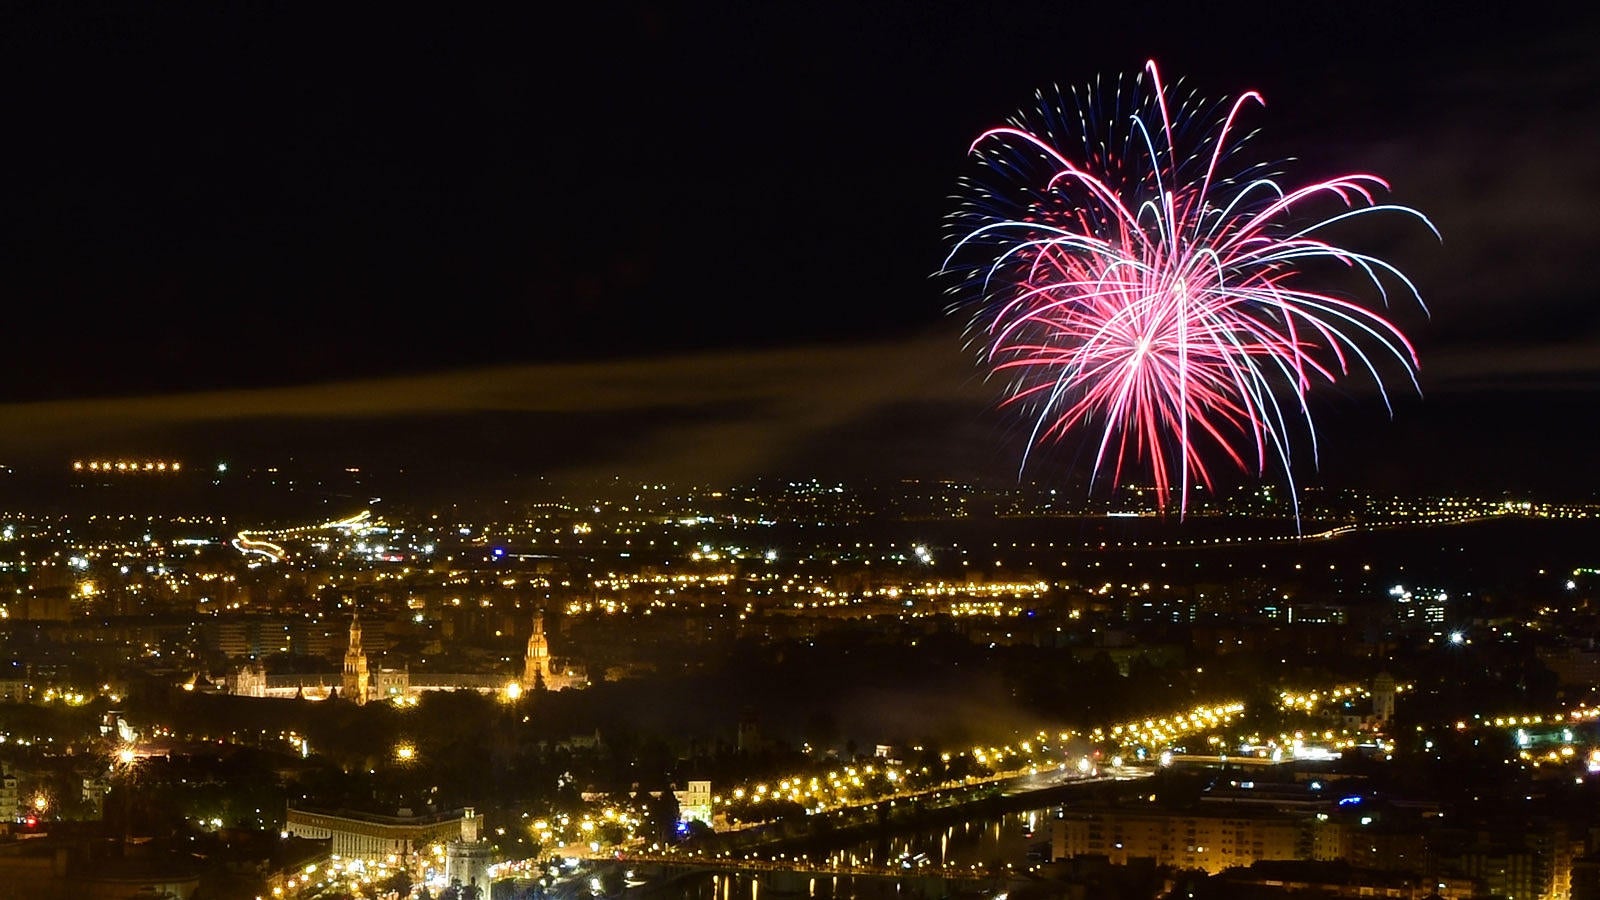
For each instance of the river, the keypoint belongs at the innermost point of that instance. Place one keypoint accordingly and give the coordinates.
(1004, 842)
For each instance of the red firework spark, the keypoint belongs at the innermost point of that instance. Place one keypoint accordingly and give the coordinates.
(1145, 299)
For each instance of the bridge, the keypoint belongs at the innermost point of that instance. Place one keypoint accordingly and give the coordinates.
(800, 864)
(1182, 759)
(661, 876)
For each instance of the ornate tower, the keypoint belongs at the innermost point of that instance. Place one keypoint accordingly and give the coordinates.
(355, 665)
(250, 681)
(467, 860)
(536, 664)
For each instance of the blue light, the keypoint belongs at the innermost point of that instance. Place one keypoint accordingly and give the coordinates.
(1349, 801)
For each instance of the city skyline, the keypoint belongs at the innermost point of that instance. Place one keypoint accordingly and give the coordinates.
(559, 452)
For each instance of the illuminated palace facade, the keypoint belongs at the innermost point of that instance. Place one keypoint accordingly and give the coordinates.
(363, 683)
(374, 837)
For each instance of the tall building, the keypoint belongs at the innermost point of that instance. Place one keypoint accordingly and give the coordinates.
(1212, 840)
(466, 860)
(10, 797)
(356, 678)
(694, 802)
(1420, 609)
(1532, 859)
(536, 662)
(539, 670)
(1383, 697)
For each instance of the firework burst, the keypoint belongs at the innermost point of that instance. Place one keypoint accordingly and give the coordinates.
(1138, 286)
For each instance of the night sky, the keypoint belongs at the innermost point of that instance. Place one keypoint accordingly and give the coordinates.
(697, 243)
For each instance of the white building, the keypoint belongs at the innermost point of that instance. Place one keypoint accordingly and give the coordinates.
(466, 861)
(694, 802)
(372, 837)
(1419, 607)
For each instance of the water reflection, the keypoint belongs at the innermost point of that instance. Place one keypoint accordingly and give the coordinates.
(1003, 843)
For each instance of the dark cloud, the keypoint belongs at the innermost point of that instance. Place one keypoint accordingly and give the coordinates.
(714, 416)
(915, 407)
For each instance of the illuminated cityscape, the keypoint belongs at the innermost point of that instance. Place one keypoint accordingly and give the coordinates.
(934, 451)
(751, 678)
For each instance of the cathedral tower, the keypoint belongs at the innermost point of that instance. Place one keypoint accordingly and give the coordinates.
(355, 682)
(536, 664)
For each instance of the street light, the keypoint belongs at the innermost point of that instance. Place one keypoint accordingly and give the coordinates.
(125, 765)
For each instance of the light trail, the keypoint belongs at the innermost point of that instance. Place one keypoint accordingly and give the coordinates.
(253, 542)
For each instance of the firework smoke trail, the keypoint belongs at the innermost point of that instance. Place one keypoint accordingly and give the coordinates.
(1140, 288)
